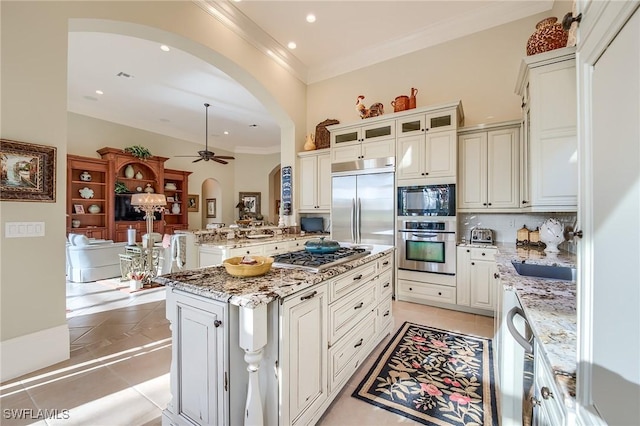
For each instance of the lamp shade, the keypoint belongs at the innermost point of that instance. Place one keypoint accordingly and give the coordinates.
(147, 199)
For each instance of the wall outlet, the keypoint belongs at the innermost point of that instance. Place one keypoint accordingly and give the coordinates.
(512, 223)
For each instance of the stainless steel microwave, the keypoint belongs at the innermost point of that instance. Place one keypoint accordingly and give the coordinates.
(427, 200)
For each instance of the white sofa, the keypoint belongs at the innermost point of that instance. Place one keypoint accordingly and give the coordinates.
(92, 260)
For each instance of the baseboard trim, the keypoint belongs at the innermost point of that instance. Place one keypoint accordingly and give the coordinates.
(24, 354)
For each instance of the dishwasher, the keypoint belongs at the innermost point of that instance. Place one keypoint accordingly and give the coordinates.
(516, 358)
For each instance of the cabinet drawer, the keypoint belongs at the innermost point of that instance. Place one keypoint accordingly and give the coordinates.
(351, 281)
(384, 285)
(345, 314)
(483, 254)
(384, 314)
(437, 293)
(271, 249)
(296, 245)
(247, 251)
(346, 356)
(385, 263)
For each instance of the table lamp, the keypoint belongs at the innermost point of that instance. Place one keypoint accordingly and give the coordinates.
(149, 203)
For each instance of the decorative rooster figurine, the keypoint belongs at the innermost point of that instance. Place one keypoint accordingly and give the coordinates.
(375, 110)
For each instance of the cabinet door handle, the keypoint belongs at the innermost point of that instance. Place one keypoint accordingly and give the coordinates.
(386, 314)
(385, 263)
(496, 275)
(357, 277)
(217, 323)
(359, 343)
(546, 393)
(484, 254)
(309, 296)
(359, 305)
(439, 293)
(386, 285)
(489, 203)
(525, 202)
(473, 263)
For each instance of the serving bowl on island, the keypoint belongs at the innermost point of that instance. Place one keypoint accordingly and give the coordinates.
(236, 267)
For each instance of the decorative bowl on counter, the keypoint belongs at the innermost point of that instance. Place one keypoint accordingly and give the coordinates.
(243, 222)
(235, 267)
(321, 246)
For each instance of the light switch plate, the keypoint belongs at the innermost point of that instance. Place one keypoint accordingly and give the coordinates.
(23, 229)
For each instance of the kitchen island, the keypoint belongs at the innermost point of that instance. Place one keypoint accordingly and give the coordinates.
(301, 335)
(550, 309)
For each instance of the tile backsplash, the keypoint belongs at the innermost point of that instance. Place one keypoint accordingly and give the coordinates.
(505, 225)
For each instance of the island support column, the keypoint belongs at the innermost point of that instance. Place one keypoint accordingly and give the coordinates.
(253, 339)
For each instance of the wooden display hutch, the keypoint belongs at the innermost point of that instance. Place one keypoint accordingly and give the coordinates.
(93, 184)
(176, 189)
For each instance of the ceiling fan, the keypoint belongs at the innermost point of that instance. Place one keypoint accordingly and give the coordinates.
(207, 155)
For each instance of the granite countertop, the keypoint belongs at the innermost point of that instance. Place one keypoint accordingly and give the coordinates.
(215, 283)
(550, 308)
(246, 242)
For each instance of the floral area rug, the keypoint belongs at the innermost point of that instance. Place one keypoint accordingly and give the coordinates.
(434, 377)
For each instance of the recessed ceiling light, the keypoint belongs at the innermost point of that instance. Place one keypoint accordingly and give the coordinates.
(292, 45)
(165, 48)
(311, 18)
(99, 92)
(226, 132)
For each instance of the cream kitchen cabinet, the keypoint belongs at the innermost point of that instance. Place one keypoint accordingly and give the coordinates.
(363, 142)
(315, 181)
(547, 86)
(303, 355)
(427, 144)
(426, 156)
(200, 326)
(548, 407)
(476, 275)
(489, 168)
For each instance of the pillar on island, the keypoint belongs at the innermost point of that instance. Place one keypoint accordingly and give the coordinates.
(253, 339)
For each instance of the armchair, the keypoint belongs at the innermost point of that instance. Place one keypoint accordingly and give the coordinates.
(92, 260)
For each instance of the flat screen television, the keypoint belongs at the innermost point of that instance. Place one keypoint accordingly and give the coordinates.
(125, 211)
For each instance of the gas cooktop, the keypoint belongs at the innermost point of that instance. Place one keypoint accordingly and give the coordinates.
(315, 262)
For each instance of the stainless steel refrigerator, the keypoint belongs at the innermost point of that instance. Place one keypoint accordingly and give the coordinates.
(362, 208)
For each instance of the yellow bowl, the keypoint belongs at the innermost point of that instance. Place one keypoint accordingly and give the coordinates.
(237, 269)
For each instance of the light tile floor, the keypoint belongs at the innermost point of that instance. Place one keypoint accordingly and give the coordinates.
(118, 372)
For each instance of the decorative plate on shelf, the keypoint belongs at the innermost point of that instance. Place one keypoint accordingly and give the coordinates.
(86, 192)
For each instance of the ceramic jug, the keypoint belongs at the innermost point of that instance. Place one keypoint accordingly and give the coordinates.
(85, 177)
(175, 209)
(412, 98)
(310, 143)
(401, 103)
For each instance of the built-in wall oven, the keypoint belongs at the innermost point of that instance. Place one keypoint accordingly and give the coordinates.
(427, 244)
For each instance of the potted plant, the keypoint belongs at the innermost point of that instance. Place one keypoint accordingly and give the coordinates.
(138, 151)
(121, 188)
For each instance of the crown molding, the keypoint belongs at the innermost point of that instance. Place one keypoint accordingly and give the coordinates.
(240, 24)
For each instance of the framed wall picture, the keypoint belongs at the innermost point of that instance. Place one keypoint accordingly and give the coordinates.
(27, 171)
(211, 207)
(251, 202)
(78, 209)
(193, 203)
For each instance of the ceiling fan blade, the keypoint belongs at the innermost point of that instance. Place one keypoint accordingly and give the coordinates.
(199, 159)
(225, 157)
(217, 159)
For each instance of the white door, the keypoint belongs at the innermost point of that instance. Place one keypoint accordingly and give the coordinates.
(324, 181)
(609, 212)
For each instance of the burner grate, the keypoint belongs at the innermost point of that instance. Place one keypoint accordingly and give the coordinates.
(318, 261)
